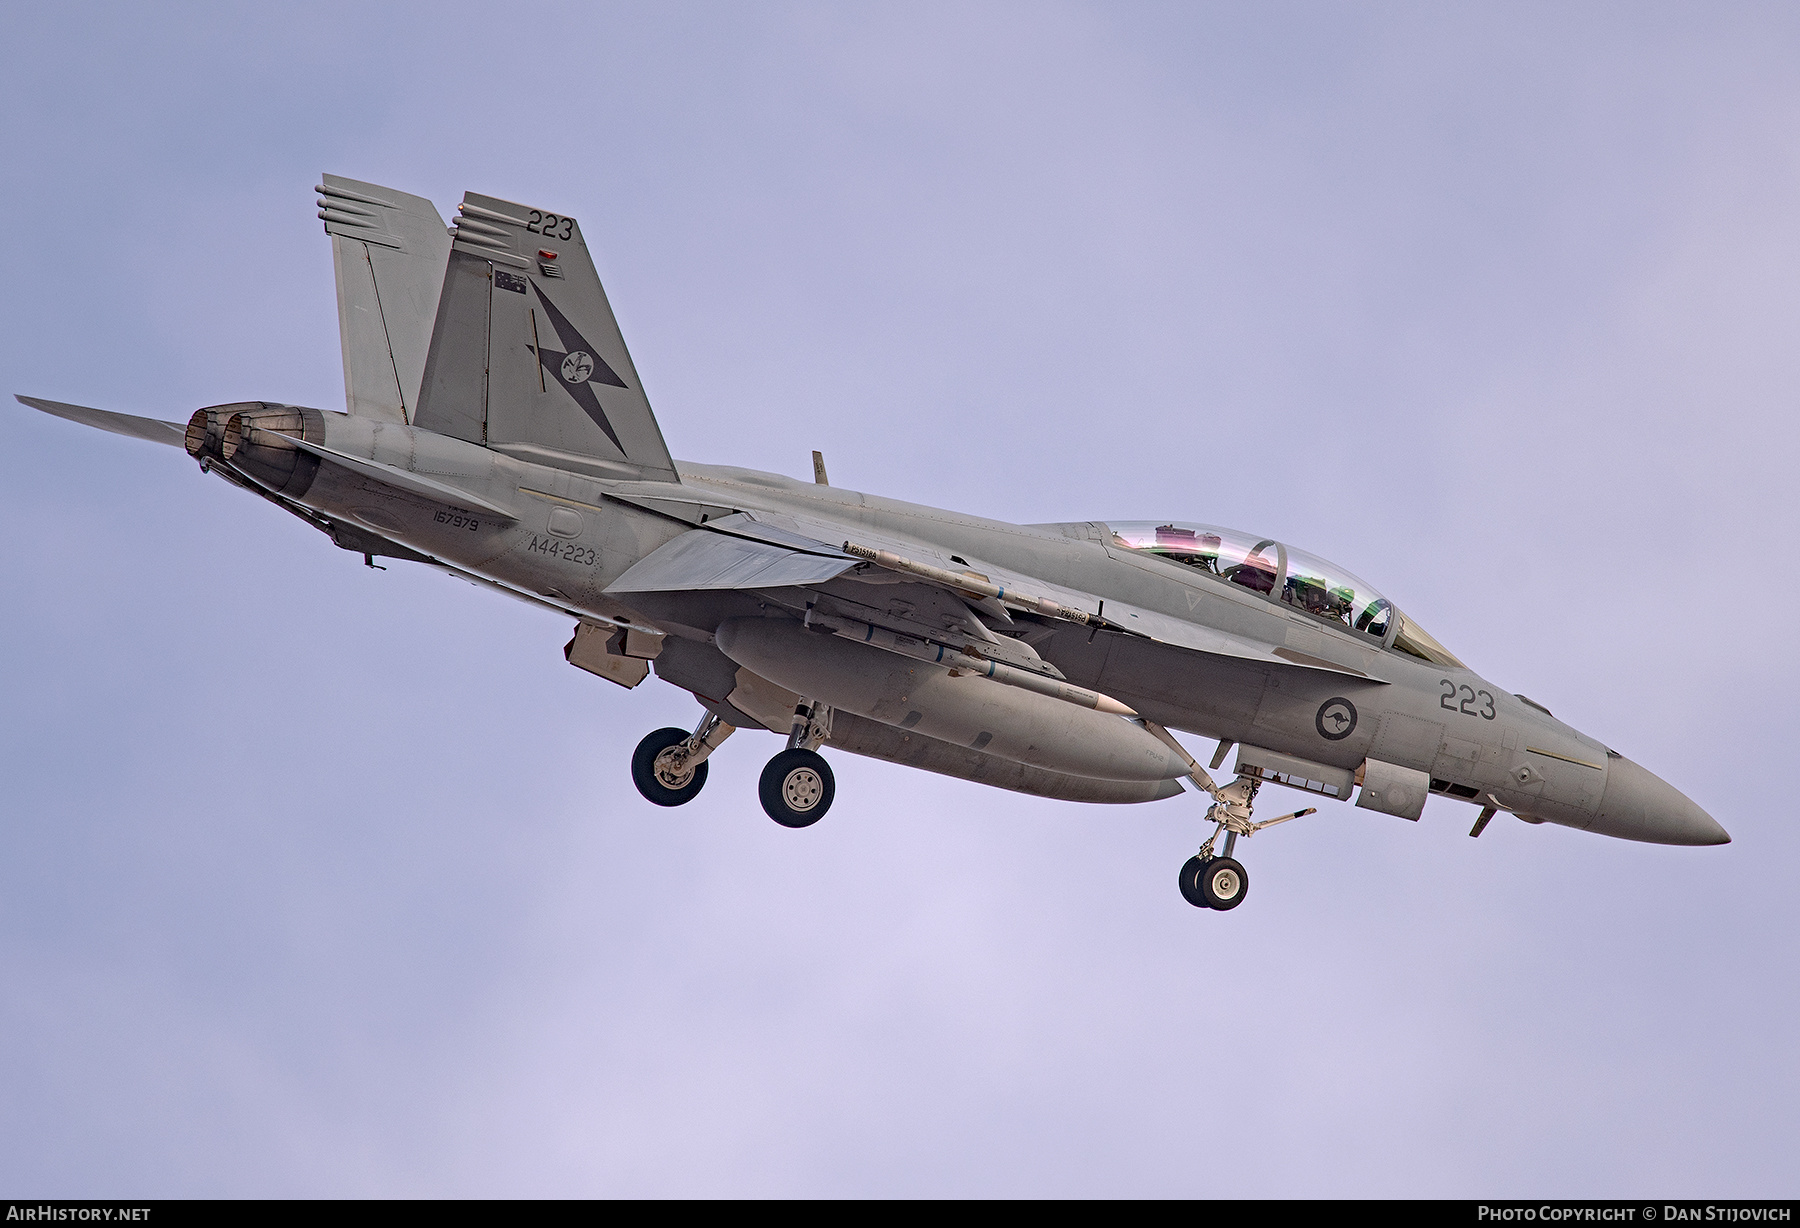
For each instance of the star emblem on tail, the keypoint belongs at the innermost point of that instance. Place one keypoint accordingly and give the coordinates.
(577, 367)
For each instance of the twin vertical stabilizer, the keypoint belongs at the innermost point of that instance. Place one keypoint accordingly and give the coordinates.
(389, 249)
(526, 356)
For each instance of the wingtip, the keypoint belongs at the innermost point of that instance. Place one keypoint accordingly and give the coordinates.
(43, 405)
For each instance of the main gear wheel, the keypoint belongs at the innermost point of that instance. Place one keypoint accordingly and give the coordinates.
(797, 787)
(662, 776)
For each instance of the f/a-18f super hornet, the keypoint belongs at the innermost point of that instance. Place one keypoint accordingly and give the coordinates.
(497, 428)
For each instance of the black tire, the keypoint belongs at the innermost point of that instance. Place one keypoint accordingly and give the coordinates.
(1190, 882)
(1224, 884)
(643, 770)
(796, 788)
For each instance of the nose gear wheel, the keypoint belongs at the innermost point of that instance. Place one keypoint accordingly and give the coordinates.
(1223, 884)
(1190, 882)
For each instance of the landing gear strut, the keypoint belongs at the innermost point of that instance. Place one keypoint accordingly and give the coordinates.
(1219, 881)
(797, 786)
(669, 766)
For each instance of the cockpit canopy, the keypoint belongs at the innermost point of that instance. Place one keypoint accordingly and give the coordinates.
(1304, 581)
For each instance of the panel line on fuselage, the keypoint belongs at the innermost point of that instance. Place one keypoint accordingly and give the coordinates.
(1550, 754)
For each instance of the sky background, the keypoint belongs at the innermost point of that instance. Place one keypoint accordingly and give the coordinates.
(316, 880)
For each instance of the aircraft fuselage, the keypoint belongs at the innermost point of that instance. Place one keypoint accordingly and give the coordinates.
(574, 533)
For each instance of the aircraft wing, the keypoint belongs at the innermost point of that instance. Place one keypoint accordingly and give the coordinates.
(773, 550)
(152, 429)
(1116, 616)
(734, 552)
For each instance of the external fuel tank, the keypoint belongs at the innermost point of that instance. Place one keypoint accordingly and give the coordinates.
(954, 707)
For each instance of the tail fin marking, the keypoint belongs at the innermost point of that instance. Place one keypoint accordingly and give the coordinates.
(578, 365)
(528, 356)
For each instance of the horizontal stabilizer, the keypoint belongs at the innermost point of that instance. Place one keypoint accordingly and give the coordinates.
(702, 559)
(119, 424)
(406, 480)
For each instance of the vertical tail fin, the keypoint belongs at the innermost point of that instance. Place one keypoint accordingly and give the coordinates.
(389, 249)
(527, 357)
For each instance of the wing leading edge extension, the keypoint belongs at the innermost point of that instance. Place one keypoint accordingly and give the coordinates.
(733, 553)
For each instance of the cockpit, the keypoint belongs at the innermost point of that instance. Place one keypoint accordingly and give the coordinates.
(1304, 581)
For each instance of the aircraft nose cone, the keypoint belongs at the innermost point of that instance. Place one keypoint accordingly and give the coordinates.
(1639, 805)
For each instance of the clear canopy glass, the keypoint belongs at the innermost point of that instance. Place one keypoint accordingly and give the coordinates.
(1328, 591)
(1242, 558)
(1305, 581)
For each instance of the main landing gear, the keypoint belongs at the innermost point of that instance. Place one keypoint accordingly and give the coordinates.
(669, 766)
(1220, 881)
(796, 789)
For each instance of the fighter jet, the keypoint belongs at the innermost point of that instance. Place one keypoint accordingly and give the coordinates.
(495, 427)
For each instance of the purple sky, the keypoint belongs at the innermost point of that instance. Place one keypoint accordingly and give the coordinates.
(317, 880)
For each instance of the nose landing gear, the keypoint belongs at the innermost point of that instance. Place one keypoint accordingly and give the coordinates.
(1218, 882)
(1221, 882)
